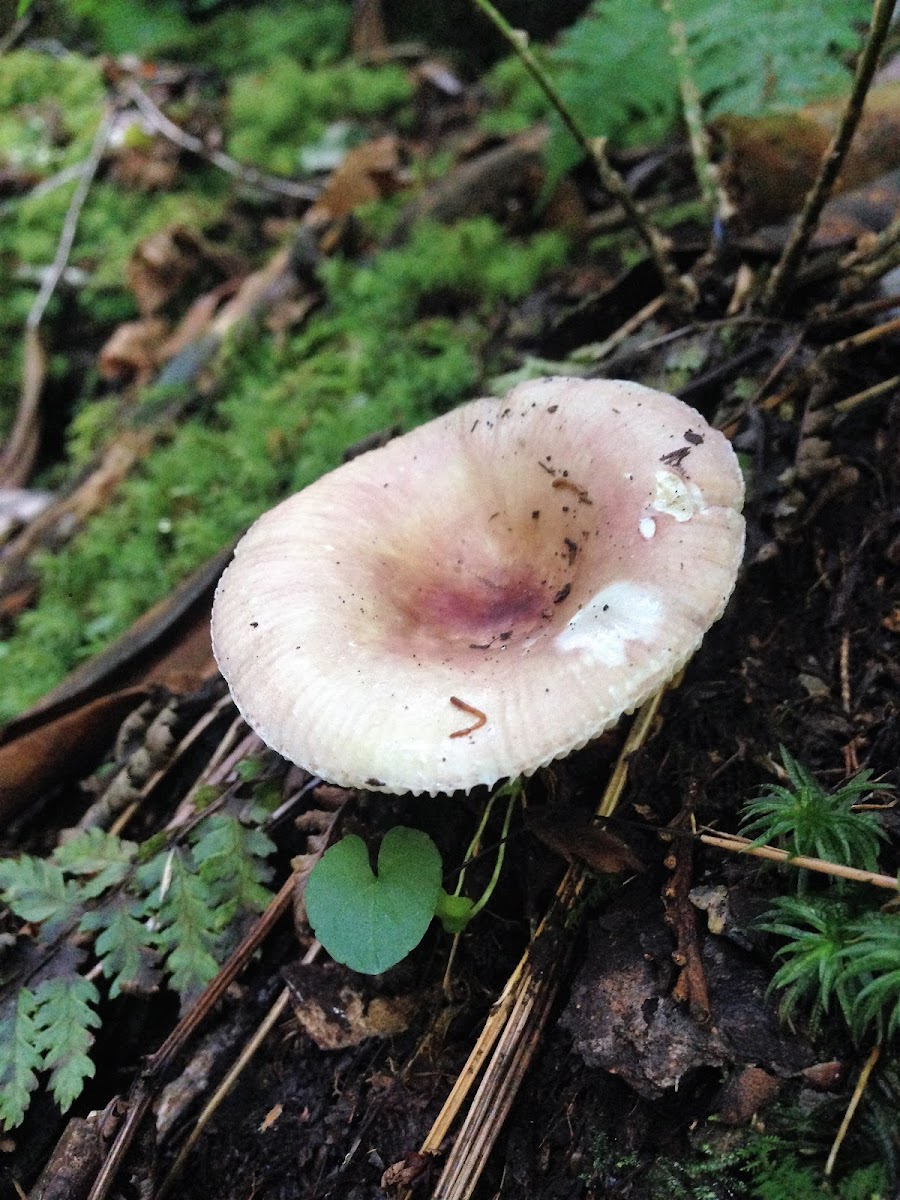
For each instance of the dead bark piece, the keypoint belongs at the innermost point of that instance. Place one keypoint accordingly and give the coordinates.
(622, 1020)
(77, 1157)
(690, 987)
(337, 1009)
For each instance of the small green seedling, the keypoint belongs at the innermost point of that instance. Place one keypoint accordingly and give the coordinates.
(370, 921)
(367, 921)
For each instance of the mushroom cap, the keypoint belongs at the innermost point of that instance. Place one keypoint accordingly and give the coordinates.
(486, 593)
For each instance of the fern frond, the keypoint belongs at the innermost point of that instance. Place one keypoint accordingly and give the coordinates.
(64, 1016)
(750, 57)
(188, 923)
(125, 945)
(231, 859)
(20, 1059)
(36, 890)
(98, 854)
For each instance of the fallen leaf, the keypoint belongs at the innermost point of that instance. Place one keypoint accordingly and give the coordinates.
(370, 171)
(336, 1013)
(132, 353)
(163, 264)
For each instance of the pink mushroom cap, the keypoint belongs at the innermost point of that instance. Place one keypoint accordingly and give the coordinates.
(486, 593)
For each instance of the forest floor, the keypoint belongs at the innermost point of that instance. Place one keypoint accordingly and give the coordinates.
(219, 335)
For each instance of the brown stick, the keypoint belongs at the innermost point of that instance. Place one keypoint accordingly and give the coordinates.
(787, 266)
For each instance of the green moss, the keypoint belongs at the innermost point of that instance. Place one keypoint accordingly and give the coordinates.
(243, 36)
(314, 34)
(517, 103)
(49, 109)
(373, 357)
(277, 111)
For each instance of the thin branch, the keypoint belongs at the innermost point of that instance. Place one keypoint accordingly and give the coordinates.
(861, 1084)
(787, 266)
(142, 1093)
(741, 845)
(707, 177)
(680, 289)
(70, 224)
(194, 145)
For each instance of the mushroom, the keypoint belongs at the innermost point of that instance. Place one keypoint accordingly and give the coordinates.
(485, 593)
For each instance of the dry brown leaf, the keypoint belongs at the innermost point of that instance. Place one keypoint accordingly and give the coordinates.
(577, 838)
(163, 264)
(368, 172)
(132, 353)
(336, 1013)
(62, 749)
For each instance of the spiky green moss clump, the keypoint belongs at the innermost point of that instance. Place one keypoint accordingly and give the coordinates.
(275, 112)
(372, 358)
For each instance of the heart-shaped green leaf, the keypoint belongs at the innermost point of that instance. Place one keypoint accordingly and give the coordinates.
(370, 922)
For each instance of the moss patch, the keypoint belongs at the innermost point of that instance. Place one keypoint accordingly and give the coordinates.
(386, 349)
(274, 113)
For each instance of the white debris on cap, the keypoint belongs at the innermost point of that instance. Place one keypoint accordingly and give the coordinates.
(486, 593)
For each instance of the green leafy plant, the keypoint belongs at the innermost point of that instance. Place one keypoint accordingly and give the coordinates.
(367, 921)
(370, 921)
(806, 820)
(151, 912)
(838, 956)
(748, 57)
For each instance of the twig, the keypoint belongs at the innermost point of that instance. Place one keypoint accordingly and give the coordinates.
(187, 141)
(861, 1083)
(707, 177)
(827, 357)
(861, 268)
(18, 454)
(15, 31)
(786, 268)
(142, 1093)
(740, 845)
(873, 393)
(70, 224)
(680, 289)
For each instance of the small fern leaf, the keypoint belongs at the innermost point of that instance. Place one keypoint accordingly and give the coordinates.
(96, 853)
(231, 859)
(20, 1059)
(187, 922)
(64, 1017)
(37, 890)
(124, 945)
